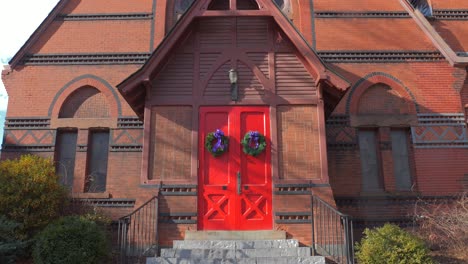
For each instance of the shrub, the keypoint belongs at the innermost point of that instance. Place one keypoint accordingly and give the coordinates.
(10, 247)
(71, 240)
(445, 225)
(392, 245)
(30, 192)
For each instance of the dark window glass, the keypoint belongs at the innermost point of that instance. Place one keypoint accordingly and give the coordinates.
(401, 159)
(96, 171)
(370, 164)
(65, 149)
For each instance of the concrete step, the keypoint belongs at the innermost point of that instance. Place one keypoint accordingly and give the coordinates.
(235, 253)
(235, 244)
(235, 235)
(264, 260)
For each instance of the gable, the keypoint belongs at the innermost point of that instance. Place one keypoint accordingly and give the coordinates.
(231, 34)
(264, 58)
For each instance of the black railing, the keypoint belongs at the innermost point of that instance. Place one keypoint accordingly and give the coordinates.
(138, 233)
(332, 233)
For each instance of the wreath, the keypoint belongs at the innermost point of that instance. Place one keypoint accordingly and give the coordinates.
(253, 143)
(221, 144)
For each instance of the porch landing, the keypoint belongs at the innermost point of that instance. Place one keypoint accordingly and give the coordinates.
(235, 235)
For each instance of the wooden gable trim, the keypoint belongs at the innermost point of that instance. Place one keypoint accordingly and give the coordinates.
(200, 9)
(37, 33)
(435, 37)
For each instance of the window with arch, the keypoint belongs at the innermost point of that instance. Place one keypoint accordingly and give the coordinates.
(383, 128)
(84, 107)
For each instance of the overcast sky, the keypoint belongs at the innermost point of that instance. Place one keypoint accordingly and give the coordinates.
(18, 20)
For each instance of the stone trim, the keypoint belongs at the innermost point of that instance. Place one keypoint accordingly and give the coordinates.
(178, 218)
(379, 56)
(86, 58)
(27, 123)
(448, 129)
(111, 202)
(129, 122)
(178, 190)
(99, 16)
(450, 14)
(373, 14)
(293, 217)
(28, 148)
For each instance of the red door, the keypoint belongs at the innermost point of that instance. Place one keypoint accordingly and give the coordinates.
(235, 188)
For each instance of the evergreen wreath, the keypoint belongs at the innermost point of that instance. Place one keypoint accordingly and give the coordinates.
(221, 144)
(253, 143)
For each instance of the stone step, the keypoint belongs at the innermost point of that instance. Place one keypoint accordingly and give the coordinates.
(236, 253)
(264, 260)
(235, 235)
(235, 244)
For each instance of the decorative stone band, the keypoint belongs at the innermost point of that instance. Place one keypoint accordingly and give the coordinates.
(331, 14)
(451, 14)
(178, 190)
(440, 131)
(27, 148)
(86, 58)
(178, 218)
(340, 135)
(28, 140)
(293, 217)
(443, 14)
(129, 122)
(115, 16)
(27, 123)
(109, 202)
(363, 56)
(126, 140)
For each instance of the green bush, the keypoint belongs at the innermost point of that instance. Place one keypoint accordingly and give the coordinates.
(71, 240)
(10, 247)
(30, 193)
(391, 245)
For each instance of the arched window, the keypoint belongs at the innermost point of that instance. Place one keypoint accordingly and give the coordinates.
(84, 106)
(382, 107)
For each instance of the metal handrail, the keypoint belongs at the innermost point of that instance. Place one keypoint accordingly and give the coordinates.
(332, 232)
(138, 233)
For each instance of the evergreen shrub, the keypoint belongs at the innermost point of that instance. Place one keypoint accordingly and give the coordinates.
(11, 248)
(391, 245)
(71, 240)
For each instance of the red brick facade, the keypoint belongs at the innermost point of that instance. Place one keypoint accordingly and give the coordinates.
(352, 66)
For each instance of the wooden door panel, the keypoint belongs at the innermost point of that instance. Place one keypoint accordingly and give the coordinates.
(234, 189)
(256, 191)
(216, 202)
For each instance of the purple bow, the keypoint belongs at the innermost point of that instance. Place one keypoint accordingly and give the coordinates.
(254, 137)
(219, 144)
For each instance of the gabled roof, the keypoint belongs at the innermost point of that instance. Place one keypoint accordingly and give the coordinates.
(37, 33)
(133, 89)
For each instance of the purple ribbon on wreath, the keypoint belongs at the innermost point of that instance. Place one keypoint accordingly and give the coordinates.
(218, 134)
(254, 137)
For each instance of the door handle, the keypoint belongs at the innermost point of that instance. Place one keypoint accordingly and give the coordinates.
(239, 183)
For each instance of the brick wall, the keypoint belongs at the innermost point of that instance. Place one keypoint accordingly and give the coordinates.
(298, 142)
(171, 143)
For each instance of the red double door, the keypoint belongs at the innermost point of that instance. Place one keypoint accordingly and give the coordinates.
(235, 191)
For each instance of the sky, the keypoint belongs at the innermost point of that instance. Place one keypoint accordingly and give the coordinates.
(18, 20)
